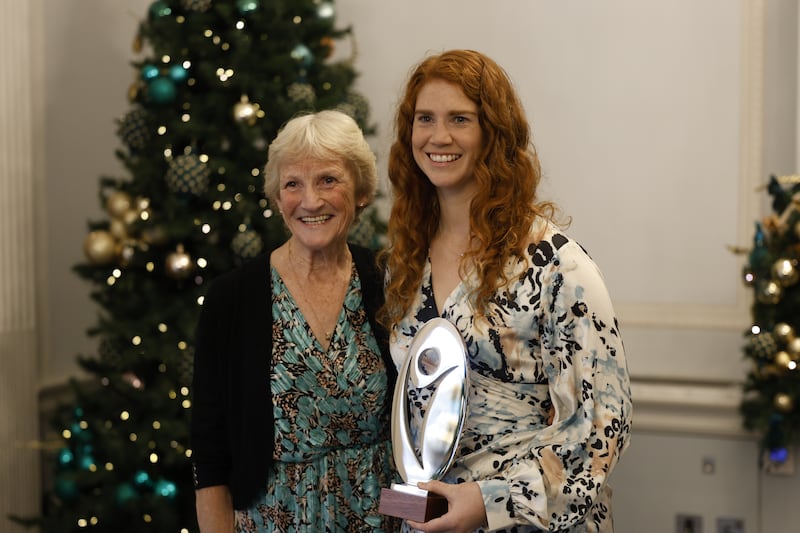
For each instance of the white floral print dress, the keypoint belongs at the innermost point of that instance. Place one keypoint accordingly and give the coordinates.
(550, 341)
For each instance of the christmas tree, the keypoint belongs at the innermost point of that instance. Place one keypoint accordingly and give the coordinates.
(215, 80)
(771, 401)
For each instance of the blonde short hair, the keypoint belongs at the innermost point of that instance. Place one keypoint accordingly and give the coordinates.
(325, 135)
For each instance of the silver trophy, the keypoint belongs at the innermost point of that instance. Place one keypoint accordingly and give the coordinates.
(436, 362)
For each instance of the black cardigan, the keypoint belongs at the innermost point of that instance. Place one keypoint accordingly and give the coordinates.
(232, 425)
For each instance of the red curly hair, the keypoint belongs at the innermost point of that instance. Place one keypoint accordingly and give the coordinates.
(507, 173)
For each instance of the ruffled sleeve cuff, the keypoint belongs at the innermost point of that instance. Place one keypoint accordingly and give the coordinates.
(497, 501)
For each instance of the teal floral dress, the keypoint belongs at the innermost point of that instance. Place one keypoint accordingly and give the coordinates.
(332, 451)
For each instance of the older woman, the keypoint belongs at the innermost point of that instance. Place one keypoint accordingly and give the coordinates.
(292, 372)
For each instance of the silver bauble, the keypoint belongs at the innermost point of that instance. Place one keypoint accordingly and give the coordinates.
(178, 264)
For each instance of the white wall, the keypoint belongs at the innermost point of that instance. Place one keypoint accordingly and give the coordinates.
(655, 122)
(87, 53)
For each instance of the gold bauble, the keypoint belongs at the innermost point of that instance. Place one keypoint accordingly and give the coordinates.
(118, 229)
(784, 272)
(126, 250)
(770, 292)
(793, 347)
(130, 217)
(784, 402)
(782, 359)
(246, 112)
(99, 247)
(118, 203)
(784, 332)
(179, 264)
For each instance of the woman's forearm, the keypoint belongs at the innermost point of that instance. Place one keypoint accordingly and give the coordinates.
(214, 509)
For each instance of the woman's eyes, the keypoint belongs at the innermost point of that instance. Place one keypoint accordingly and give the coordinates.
(324, 181)
(455, 119)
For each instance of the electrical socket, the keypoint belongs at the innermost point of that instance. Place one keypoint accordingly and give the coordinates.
(685, 523)
(730, 525)
(782, 468)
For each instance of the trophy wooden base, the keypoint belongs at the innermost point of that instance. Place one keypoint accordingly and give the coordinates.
(411, 503)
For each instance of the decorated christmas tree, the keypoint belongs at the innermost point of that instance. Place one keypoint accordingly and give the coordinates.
(771, 401)
(214, 81)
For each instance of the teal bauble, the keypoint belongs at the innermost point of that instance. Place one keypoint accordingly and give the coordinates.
(159, 9)
(86, 462)
(166, 489)
(302, 55)
(149, 72)
(66, 488)
(126, 493)
(65, 458)
(246, 6)
(142, 479)
(161, 90)
(178, 73)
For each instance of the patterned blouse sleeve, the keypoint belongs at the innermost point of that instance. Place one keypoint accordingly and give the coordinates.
(563, 470)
